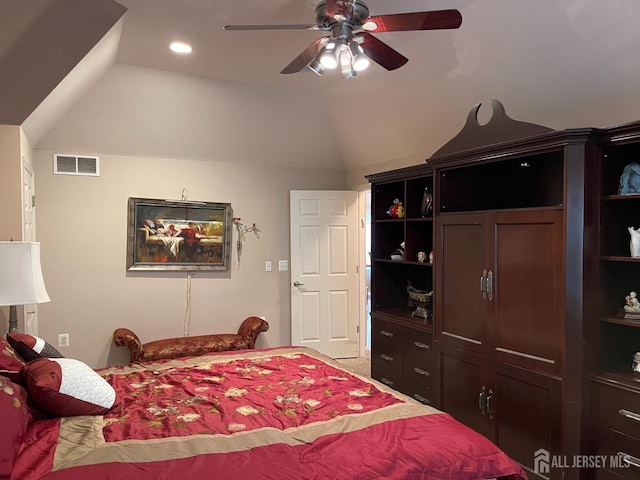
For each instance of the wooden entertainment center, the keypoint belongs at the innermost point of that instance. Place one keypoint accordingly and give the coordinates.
(531, 264)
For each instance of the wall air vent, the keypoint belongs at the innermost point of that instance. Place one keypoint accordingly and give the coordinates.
(66, 164)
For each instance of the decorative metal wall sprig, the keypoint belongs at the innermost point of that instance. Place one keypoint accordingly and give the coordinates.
(242, 231)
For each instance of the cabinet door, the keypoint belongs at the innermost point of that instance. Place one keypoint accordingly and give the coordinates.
(526, 320)
(526, 413)
(461, 305)
(462, 376)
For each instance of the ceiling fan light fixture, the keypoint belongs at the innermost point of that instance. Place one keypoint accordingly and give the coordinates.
(328, 60)
(316, 67)
(346, 67)
(359, 60)
(328, 57)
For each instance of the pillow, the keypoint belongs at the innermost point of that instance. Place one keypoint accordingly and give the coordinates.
(67, 387)
(31, 347)
(10, 362)
(16, 417)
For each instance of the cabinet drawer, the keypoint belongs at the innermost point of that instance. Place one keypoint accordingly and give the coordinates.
(424, 396)
(418, 343)
(390, 360)
(421, 391)
(417, 370)
(386, 335)
(609, 443)
(616, 408)
(387, 377)
(386, 346)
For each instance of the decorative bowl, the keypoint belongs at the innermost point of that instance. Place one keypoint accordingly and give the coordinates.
(419, 299)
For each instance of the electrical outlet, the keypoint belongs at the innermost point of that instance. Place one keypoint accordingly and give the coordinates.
(283, 265)
(267, 266)
(63, 340)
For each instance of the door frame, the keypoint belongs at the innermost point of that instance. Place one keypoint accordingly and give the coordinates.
(364, 313)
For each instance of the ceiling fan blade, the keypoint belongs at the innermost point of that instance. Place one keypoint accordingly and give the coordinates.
(293, 26)
(306, 57)
(402, 22)
(381, 53)
(340, 7)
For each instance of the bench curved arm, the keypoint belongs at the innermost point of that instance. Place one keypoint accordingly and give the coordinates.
(250, 328)
(123, 337)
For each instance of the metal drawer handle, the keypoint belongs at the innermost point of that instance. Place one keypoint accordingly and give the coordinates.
(630, 459)
(423, 346)
(421, 372)
(386, 334)
(629, 415)
(386, 381)
(421, 399)
(386, 357)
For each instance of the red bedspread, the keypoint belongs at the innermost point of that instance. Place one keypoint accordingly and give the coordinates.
(286, 413)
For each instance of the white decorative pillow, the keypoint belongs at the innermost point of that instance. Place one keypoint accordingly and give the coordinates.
(67, 387)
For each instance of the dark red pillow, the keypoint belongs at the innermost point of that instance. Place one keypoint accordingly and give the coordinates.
(66, 387)
(10, 362)
(31, 347)
(16, 417)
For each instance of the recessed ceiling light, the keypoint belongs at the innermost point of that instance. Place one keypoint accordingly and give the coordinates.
(180, 47)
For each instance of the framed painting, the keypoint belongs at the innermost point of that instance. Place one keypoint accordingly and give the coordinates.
(178, 235)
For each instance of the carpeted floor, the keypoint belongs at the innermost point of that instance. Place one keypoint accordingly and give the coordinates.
(360, 365)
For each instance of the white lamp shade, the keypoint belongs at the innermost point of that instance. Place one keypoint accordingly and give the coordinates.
(21, 281)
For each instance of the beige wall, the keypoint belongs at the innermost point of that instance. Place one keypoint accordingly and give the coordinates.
(10, 194)
(10, 183)
(356, 176)
(82, 225)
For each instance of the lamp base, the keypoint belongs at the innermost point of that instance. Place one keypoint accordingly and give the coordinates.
(13, 318)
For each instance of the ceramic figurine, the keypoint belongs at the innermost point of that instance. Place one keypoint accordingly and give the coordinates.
(634, 244)
(422, 256)
(633, 304)
(630, 180)
(396, 210)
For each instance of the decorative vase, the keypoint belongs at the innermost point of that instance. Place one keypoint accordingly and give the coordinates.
(426, 209)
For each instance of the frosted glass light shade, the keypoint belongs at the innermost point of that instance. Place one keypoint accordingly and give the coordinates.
(21, 281)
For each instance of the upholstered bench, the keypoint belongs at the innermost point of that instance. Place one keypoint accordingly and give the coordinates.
(190, 346)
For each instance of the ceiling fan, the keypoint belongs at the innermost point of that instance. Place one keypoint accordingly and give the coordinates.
(350, 44)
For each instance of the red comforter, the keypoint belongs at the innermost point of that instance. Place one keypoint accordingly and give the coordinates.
(285, 413)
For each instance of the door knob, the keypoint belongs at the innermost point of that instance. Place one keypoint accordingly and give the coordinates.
(298, 284)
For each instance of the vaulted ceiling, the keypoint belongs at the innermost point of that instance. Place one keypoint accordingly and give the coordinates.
(560, 63)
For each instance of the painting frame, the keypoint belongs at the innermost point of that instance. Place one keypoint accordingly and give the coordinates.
(178, 235)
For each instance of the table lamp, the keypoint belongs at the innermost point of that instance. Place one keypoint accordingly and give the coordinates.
(21, 281)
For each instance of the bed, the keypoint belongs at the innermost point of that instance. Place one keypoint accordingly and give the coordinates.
(281, 413)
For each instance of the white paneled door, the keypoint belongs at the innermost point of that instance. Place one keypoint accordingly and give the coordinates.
(324, 271)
